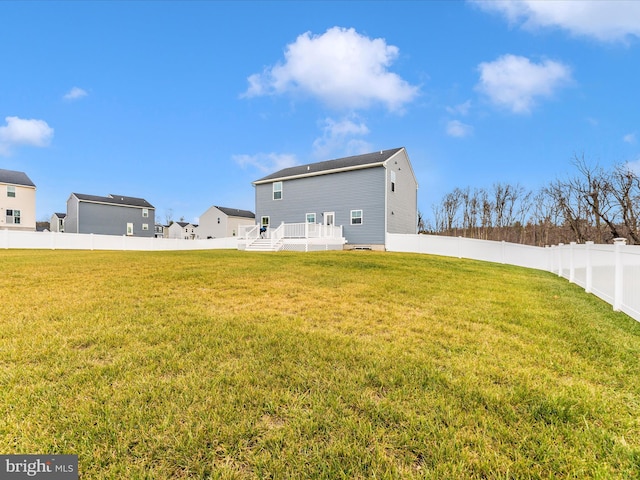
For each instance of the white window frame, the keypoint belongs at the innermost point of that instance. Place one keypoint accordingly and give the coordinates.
(277, 189)
(310, 217)
(11, 190)
(393, 181)
(329, 215)
(263, 223)
(145, 226)
(129, 229)
(145, 212)
(360, 217)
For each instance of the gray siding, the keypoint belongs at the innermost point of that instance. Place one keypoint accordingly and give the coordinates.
(402, 209)
(337, 192)
(104, 219)
(71, 220)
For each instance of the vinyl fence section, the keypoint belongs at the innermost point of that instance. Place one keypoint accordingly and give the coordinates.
(611, 272)
(81, 241)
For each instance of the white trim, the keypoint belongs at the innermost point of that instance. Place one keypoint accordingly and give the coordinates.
(306, 217)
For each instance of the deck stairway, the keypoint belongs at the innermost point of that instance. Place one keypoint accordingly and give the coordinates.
(263, 245)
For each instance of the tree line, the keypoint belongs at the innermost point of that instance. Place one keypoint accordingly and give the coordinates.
(594, 204)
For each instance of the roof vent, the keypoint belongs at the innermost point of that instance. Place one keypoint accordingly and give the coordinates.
(380, 152)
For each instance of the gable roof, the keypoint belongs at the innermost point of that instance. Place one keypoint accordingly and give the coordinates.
(15, 178)
(60, 215)
(114, 200)
(234, 212)
(355, 162)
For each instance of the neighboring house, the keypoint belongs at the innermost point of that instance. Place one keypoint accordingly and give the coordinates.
(370, 195)
(184, 230)
(159, 230)
(56, 224)
(220, 222)
(110, 215)
(17, 201)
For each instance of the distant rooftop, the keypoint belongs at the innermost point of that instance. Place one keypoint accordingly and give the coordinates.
(15, 178)
(115, 199)
(234, 212)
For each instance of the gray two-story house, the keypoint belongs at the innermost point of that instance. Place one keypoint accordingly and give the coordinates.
(370, 195)
(110, 215)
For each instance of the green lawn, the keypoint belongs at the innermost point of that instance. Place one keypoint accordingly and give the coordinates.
(228, 364)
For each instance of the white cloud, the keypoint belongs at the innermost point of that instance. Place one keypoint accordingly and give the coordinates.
(611, 20)
(455, 128)
(461, 109)
(514, 82)
(20, 131)
(75, 93)
(339, 138)
(341, 68)
(266, 162)
(630, 138)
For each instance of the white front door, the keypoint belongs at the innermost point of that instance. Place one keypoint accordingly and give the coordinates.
(330, 218)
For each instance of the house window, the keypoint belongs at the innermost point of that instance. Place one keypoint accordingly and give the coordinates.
(264, 221)
(13, 216)
(129, 228)
(11, 191)
(393, 181)
(311, 218)
(356, 217)
(145, 212)
(145, 226)
(277, 190)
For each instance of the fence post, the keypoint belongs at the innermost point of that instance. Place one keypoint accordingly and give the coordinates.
(589, 272)
(571, 262)
(560, 245)
(619, 277)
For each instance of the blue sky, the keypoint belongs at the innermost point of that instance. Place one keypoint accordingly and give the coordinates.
(186, 103)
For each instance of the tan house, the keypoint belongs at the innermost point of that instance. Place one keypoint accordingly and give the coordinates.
(17, 201)
(221, 222)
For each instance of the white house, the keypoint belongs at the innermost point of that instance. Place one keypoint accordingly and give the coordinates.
(184, 230)
(56, 224)
(220, 222)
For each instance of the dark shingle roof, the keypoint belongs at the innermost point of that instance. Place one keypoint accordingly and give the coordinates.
(115, 200)
(234, 212)
(60, 215)
(346, 163)
(15, 178)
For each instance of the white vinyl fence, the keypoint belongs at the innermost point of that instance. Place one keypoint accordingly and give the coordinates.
(83, 241)
(611, 272)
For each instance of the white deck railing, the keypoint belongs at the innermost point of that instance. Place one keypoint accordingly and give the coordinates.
(291, 230)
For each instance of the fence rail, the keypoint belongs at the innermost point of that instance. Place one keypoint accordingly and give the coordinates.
(610, 272)
(90, 241)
